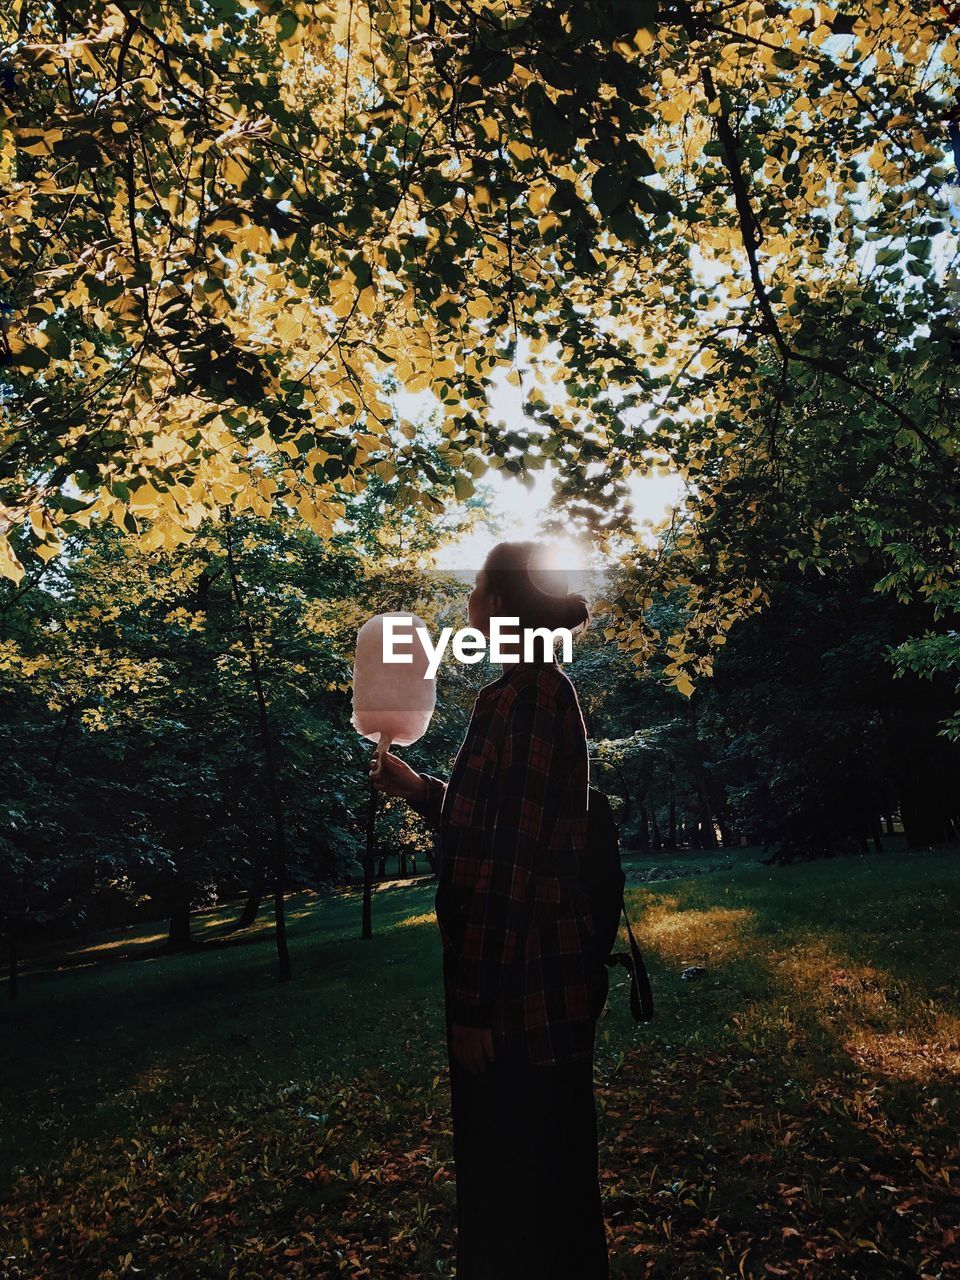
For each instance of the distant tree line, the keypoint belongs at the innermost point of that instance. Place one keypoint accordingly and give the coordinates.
(175, 726)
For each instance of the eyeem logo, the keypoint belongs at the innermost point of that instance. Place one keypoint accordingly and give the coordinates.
(468, 645)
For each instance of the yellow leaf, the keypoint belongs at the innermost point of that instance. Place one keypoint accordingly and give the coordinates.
(520, 151)
(38, 523)
(286, 327)
(644, 40)
(234, 174)
(479, 307)
(344, 304)
(538, 197)
(144, 498)
(10, 566)
(683, 685)
(35, 146)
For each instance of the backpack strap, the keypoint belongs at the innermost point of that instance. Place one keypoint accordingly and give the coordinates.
(641, 997)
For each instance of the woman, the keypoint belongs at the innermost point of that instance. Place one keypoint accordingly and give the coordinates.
(521, 981)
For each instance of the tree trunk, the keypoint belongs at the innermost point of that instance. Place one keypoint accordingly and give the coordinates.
(280, 922)
(273, 788)
(366, 924)
(251, 908)
(16, 929)
(657, 833)
(644, 828)
(877, 842)
(709, 840)
(178, 938)
(627, 796)
(672, 823)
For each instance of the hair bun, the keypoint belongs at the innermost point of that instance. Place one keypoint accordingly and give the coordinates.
(573, 611)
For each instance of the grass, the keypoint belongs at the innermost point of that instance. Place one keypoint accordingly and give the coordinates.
(791, 1112)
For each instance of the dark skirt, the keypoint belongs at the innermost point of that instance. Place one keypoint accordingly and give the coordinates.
(525, 1148)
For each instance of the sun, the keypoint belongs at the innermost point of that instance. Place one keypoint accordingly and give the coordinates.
(564, 555)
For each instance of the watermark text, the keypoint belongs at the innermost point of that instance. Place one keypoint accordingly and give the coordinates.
(507, 643)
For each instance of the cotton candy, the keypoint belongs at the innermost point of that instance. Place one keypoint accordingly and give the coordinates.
(392, 702)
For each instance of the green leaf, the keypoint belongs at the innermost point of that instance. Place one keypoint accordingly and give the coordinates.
(609, 189)
(550, 129)
(498, 69)
(58, 344)
(287, 24)
(362, 272)
(31, 358)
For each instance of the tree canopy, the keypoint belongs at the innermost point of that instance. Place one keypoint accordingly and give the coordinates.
(708, 236)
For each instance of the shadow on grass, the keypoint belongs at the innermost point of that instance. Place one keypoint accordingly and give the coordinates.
(796, 1112)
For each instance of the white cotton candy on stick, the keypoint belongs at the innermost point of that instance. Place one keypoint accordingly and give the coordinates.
(392, 702)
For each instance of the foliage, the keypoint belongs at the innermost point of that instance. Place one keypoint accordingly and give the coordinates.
(712, 237)
(805, 738)
(133, 750)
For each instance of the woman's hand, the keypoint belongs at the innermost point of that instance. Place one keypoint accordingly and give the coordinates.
(472, 1047)
(394, 777)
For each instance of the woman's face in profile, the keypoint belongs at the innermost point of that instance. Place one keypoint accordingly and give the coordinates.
(481, 605)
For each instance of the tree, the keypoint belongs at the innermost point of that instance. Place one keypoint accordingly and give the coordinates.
(699, 225)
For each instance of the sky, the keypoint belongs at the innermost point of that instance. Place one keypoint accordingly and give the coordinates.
(517, 509)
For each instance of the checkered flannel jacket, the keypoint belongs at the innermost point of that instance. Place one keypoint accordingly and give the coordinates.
(514, 918)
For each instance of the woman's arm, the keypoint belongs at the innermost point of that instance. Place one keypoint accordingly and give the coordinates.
(422, 792)
(531, 793)
(429, 803)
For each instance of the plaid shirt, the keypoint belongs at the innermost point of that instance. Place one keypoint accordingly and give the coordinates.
(514, 918)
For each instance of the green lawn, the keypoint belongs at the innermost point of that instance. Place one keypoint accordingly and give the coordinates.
(793, 1112)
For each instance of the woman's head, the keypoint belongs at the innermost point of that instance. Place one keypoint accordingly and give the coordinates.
(516, 582)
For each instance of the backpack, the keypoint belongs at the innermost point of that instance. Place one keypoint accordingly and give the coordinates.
(603, 878)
